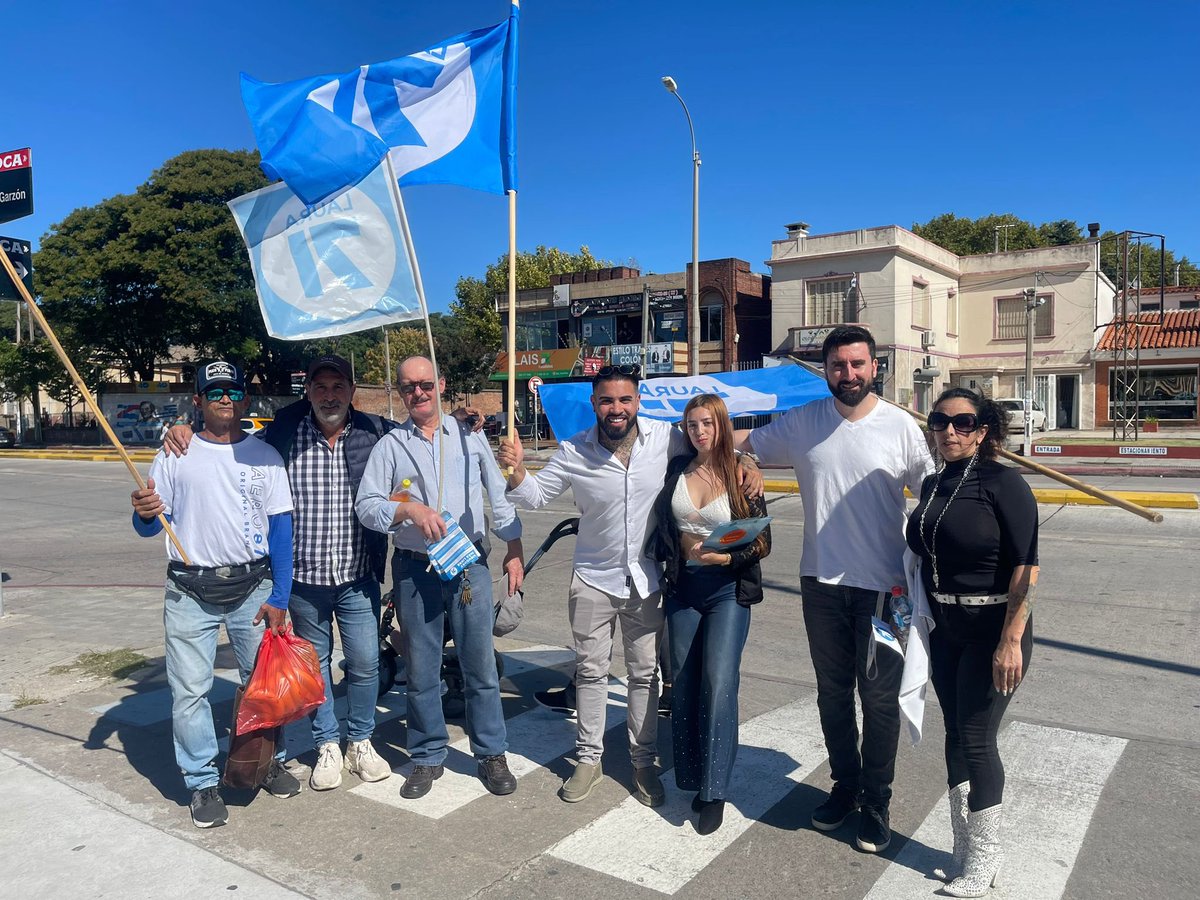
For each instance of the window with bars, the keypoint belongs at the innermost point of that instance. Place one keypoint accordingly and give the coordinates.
(826, 301)
(1010, 318)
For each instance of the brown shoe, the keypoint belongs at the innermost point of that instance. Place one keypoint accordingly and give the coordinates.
(585, 777)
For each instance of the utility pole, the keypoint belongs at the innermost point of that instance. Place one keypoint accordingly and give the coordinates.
(1032, 302)
(387, 369)
(996, 232)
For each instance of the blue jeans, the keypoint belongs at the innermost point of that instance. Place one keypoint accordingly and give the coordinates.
(707, 630)
(356, 608)
(191, 642)
(838, 622)
(424, 603)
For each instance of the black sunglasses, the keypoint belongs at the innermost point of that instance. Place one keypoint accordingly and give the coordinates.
(964, 423)
(410, 387)
(212, 395)
(631, 369)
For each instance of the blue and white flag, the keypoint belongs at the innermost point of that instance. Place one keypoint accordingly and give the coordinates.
(445, 115)
(335, 268)
(752, 392)
(451, 554)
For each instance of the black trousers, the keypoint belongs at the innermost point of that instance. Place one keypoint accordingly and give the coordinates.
(838, 622)
(961, 647)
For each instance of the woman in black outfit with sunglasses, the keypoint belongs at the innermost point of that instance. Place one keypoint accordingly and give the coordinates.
(975, 530)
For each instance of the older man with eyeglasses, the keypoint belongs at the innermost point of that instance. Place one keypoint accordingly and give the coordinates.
(615, 470)
(432, 464)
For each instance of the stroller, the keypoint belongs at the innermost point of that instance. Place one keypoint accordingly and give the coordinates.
(389, 634)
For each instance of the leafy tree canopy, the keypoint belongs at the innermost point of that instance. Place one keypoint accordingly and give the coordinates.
(164, 266)
(965, 236)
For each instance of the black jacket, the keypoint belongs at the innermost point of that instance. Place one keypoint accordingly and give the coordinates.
(664, 543)
(367, 429)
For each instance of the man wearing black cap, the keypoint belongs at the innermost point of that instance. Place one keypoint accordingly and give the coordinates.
(339, 564)
(230, 507)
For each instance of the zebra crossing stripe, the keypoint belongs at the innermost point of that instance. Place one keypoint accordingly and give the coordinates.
(1053, 780)
(656, 849)
(535, 739)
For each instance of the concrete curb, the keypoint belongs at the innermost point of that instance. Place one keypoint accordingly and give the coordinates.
(1059, 496)
(97, 455)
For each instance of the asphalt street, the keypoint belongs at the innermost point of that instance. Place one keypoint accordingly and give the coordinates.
(1101, 742)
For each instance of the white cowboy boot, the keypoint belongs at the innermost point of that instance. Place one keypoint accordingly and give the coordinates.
(958, 825)
(983, 854)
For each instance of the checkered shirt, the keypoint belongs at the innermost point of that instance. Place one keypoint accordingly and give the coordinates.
(329, 545)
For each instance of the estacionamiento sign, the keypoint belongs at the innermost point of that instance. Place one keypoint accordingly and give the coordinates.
(16, 184)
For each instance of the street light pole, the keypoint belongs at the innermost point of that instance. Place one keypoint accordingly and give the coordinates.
(694, 302)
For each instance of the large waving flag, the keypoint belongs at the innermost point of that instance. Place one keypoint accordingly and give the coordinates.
(445, 115)
(335, 268)
(747, 393)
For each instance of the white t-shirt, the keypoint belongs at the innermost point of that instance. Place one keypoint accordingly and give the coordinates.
(219, 497)
(852, 477)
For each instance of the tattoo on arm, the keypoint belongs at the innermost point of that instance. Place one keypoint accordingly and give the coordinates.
(1020, 603)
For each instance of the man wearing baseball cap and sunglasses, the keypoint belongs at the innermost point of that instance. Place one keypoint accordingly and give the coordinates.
(231, 509)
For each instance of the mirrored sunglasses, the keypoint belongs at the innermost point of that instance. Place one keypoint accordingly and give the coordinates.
(212, 395)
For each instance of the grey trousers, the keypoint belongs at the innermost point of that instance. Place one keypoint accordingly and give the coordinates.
(594, 616)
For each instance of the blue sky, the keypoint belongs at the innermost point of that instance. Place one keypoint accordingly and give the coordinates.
(846, 115)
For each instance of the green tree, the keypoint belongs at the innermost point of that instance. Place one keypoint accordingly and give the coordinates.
(1144, 263)
(24, 368)
(403, 342)
(165, 266)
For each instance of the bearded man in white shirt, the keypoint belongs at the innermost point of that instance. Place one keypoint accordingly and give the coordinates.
(615, 470)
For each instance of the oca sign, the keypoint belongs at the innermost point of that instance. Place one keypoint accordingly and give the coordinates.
(16, 184)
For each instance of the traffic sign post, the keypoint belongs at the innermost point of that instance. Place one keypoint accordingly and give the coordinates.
(535, 382)
(20, 254)
(16, 185)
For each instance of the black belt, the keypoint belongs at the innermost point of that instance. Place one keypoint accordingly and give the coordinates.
(223, 571)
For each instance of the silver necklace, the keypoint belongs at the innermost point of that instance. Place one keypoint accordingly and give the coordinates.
(931, 542)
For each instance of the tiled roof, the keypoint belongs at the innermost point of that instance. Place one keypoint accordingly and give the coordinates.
(1179, 328)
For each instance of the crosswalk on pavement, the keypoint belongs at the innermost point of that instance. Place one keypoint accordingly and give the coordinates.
(1055, 779)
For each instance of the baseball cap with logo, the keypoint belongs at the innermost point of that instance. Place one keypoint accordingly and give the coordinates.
(336, 363)
(219, 372)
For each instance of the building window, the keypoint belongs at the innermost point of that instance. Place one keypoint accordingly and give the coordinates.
(1010, 318)
(922, 316)
(711, 318)
(827, 301)
(952, 312)
(1151, 307)
(542, 330)
(1168, 393)
(1189, 304)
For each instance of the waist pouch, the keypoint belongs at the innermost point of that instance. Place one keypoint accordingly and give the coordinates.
(222, 585)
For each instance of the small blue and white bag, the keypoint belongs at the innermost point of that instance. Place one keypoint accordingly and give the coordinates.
(451, 555)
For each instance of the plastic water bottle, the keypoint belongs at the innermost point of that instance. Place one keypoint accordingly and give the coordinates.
(901, 613)
(402, 494)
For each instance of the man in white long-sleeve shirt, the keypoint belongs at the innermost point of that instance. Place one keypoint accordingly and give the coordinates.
(615, 470)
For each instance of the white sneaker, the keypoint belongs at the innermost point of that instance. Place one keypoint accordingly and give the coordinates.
(363, 761)
(327, 773)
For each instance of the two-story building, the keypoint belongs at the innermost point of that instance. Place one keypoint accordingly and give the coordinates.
(585, 320)
(940, 319)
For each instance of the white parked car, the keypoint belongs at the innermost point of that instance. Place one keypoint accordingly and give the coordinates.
(1016, 414)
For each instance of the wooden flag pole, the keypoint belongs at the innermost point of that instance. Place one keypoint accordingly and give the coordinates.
(36, 315)
(512, 316)
(1147, 514)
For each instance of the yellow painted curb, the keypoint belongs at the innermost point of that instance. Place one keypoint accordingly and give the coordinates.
(97, 455)
(1144, 499)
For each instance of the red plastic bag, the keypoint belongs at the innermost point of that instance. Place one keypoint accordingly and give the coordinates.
(286, 683)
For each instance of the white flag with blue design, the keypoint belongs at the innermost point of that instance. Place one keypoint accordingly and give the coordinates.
(335, 268)
(445, 115)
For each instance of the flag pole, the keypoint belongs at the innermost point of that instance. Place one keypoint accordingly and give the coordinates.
(411, 250)
(36, 315)
(1148, 514)
(512, 315)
